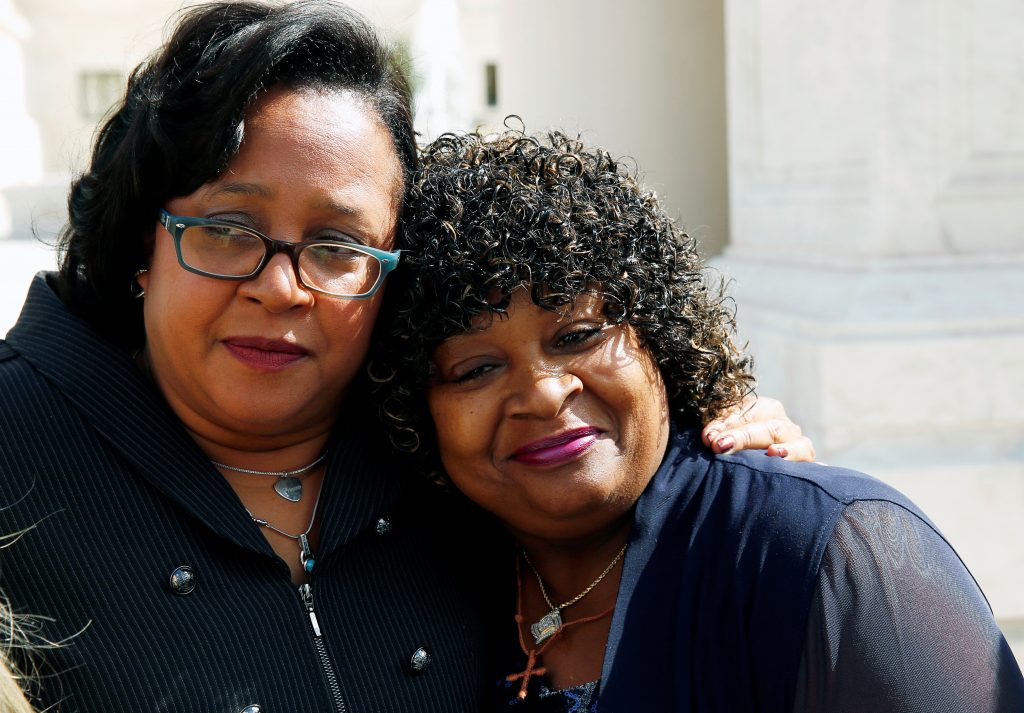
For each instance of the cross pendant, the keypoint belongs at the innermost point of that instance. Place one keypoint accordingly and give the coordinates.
(525, 675)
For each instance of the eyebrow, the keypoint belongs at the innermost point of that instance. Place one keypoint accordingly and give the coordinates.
(242, 188)
(337, 207)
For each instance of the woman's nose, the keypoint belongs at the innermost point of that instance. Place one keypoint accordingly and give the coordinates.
(543, 393)
(277, 287)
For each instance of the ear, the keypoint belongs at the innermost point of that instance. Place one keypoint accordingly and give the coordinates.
(148, 241)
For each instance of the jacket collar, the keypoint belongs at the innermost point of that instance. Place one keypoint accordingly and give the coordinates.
(103, 384)
(669, 494)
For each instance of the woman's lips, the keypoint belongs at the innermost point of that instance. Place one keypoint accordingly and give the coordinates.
(557, 450)
(265, 354)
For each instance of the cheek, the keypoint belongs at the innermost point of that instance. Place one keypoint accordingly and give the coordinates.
(464, 456)
(444, 424)
(652, 424)
(179, 305)
(347, 326)
(638, 392)
(460, 436)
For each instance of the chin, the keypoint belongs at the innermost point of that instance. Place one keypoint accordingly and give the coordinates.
(568, 531)
(266, 415)
(570, 519)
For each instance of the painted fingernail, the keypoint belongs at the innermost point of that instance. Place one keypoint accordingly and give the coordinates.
(725, 443)
(712, 435)
(781, 451)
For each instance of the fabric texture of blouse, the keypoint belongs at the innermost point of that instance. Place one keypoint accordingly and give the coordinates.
(893, 622)
(115, 500)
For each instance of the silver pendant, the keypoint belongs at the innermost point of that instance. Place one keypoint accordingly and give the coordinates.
(289, 488)
(547, 627)
(305, 554)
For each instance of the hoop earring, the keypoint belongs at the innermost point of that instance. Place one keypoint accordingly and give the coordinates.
(137, 291)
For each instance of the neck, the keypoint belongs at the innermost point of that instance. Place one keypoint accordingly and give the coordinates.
(569, 566)
(274, 456)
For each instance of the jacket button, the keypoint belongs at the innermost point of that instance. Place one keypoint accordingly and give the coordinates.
(183, 580)
(383, 526)
(253, 708)
(420, 660)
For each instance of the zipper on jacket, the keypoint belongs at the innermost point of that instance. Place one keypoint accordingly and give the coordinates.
(306, 592)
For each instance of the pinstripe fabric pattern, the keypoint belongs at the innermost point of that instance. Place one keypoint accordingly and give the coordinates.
(117, 496)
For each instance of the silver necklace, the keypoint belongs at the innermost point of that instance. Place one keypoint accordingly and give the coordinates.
(306, 559)
(287, 485)
(549, 624)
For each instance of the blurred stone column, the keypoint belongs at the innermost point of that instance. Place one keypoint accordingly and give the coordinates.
(876, 169)
(21, 156)
(440, 69)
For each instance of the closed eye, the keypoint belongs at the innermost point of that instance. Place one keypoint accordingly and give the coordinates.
(579, 337)
(475, 373)
(336, 239)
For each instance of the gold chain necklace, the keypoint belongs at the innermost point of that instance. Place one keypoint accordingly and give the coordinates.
(549, 624)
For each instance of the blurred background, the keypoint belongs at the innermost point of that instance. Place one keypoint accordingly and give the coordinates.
(856, 169)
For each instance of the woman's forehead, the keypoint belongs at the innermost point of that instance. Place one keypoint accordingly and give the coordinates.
(326, 153)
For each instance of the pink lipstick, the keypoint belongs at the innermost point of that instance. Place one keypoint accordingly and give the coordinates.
(264, 354)
(557, 450)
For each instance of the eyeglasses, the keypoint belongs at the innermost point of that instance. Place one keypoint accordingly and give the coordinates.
(227, 251)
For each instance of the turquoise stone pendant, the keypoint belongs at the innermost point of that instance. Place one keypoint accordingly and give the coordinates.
(306, 558)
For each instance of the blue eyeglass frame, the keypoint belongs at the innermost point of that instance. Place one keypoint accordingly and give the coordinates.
(176, 225)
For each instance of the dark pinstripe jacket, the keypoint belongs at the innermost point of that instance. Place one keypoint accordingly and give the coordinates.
(117, 496)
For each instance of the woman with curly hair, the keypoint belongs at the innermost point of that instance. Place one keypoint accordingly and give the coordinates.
(552, 349)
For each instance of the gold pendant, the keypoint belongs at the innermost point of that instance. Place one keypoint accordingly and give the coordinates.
(547, 627)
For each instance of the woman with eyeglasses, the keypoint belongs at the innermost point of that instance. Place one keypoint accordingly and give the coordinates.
(553, 348)
(212, 518)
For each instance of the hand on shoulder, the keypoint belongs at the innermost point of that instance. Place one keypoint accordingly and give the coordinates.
(760, 423)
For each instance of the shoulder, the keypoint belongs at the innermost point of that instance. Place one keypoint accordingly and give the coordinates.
(18, 380)
(879, 544)
(37, 426)
(11, 362)
(750, 503)
(777, 478)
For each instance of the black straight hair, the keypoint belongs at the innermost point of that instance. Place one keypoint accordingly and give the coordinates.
(181, 122)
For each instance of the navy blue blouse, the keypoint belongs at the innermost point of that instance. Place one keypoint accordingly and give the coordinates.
(756, 584)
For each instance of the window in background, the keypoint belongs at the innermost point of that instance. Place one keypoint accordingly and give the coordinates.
(97, 92)
(491, 78)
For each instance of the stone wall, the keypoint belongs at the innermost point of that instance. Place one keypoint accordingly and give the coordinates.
(876, 168)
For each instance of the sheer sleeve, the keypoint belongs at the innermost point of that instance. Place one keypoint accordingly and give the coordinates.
(898, 624)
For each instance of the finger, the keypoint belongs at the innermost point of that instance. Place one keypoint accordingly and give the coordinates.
(759, 434)
(750, 410)
(711, 432)
(801, 449)
(745, 411)
(759, 408)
